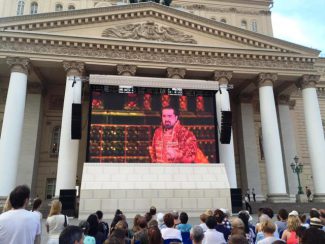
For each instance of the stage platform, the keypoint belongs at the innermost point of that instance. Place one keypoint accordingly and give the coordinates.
(134, 187)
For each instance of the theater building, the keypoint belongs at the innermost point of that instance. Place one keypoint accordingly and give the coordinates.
(55, 53)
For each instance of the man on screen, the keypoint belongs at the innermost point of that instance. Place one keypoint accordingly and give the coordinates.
(172, 142)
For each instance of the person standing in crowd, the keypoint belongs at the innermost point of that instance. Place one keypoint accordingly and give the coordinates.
(254, 194)
(247, 205)
(312, 236)
(154, 235)
(268, 229)
(220, 226)
(141, 236)
(313, 213)
(7, 206)
(71, 235)
(153, 212)
(248, 194)
(93, 229)
(322, 217)
(281, 223)
(226, 221)
(84, 225)
(102, 225)
(55, 222)
(170, 232)
(237, 239)
(290, 234)
(176, 218)
(172, 142)
(35, 209)
(184, 226)
(316, 223)
(160, 219)
(308, 193)
(203, 218)
(197, 234)
(19, 225)
(249, 231)
(212, 236)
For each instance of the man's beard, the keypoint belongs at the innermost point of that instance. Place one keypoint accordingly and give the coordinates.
(168, 126)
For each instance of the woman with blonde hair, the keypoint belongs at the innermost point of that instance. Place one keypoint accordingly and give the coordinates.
(55, 222)
(7, 206)
(290, 234)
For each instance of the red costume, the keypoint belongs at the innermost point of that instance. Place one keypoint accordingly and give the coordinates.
(178, 139)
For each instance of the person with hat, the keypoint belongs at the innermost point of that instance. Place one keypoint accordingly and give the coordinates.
(316, 223)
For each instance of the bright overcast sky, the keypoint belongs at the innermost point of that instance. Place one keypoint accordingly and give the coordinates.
(301, 22)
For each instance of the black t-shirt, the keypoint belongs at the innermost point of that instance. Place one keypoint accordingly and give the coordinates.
(104, 228)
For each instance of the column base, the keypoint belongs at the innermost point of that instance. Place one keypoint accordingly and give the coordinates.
(278, 198)
(292, 198)
(301, 198)
(319, 198)
(259, 198)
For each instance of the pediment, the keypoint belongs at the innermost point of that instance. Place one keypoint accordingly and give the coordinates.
(150, 22)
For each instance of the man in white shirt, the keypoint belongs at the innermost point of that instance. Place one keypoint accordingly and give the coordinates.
(170, 232)
(19, 225)
(212, 236)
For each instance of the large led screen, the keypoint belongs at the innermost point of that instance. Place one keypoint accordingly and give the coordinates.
(151, 125)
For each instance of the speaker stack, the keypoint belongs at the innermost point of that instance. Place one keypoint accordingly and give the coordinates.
(76, 121)
(236, 199)
(225, 130)
(68, 200)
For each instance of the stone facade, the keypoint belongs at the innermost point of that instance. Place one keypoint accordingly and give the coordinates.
(50, 38)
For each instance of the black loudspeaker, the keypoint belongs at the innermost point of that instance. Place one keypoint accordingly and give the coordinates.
(68, 200)
(76, 121)
(225, 130)
(236, 199)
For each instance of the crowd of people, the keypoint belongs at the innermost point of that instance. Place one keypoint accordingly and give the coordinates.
(17, 225)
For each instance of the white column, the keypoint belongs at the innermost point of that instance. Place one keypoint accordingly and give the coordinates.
(289, 144)
(226, 151)
(271, 140)
(315, 134)
(29, 155)
(12, 126)
(248, 147)
(69, 149)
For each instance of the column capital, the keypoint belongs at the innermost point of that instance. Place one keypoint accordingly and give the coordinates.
(266, 79)
(175, 73)
(308, 81)
(17, 64)
(127, 70)
(223, 77)
(283, 99)
(74, 68)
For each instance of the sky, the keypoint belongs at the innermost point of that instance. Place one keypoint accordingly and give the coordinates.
(301, 22)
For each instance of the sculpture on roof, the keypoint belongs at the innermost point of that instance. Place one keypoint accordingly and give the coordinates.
(164, 2)
(149, 31)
